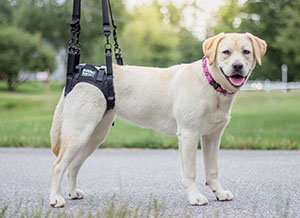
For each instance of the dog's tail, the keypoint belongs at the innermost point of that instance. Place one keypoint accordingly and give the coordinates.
(56, 126)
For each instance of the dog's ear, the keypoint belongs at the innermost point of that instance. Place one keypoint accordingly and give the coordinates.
(210, 47)
(259, 47)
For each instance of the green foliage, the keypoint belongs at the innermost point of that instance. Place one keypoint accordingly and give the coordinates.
(6, 10)
(226, 16)
(22, 51)
(51, 19)
(190, 48)
(48, 18)
(287, 38)
(149, 41)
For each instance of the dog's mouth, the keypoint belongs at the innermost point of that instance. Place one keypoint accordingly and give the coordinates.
(236, 80)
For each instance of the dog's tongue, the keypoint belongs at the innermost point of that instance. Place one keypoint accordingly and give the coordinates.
(237, 81)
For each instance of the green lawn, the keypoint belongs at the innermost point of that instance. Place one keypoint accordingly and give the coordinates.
(259, 121)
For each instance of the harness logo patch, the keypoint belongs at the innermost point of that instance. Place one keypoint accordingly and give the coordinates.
(88, 73)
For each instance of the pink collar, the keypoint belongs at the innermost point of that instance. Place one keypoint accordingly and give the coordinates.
(211, 80)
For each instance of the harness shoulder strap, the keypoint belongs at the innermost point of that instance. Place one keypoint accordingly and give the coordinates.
(117, 48)
(74, 46)
(108, 56)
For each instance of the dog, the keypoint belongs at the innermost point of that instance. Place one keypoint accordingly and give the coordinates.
(190, 101)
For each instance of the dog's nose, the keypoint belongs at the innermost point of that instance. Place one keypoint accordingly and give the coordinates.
(237, 66)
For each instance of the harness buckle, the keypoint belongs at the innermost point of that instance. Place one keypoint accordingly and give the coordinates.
(101, 73)
(74, 23)
(106, 30)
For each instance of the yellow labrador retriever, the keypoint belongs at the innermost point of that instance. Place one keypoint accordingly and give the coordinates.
(190, 101)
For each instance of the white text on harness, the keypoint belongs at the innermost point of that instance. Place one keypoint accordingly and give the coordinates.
(87, 72)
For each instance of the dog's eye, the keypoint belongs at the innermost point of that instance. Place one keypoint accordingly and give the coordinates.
(227, 52)
(245, 51)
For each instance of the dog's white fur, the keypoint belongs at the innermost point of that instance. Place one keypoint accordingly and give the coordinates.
(176, 101)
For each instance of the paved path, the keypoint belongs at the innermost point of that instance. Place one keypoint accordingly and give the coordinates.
(264, 183)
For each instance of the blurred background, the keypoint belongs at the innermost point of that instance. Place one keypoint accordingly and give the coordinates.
(34, 36)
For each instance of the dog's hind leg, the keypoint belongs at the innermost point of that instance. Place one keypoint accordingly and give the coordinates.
(83, 109)
(97, 138)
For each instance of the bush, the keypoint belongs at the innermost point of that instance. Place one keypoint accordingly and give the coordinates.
(22, 51)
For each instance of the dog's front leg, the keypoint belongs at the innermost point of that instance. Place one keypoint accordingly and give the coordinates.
(188, 142)
(210, 145)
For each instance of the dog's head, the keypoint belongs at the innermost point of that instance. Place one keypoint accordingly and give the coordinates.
(233, 56)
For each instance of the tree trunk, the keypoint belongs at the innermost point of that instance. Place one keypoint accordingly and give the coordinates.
(10, 82)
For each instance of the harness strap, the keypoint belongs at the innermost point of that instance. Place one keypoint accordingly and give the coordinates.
(76, 10)
(108, 55)
(117, 48)
(74, 45)
(106, 25)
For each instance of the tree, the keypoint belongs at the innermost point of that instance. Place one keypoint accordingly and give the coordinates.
(190, 48)
(227, 15)
(287, 39)
(6, 12)
(51, 19)
(22, 51)
(148, 41)
(48, 18)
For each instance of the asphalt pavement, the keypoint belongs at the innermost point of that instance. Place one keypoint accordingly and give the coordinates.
(264, 183)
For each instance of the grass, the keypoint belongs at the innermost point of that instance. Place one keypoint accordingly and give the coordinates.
(264, 121)
(121, 209)
(116, 209)
(259, 121)
(33, 87)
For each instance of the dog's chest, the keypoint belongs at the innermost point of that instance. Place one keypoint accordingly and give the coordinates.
(213, 115)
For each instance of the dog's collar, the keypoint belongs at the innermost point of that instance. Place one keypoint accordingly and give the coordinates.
(211, 80)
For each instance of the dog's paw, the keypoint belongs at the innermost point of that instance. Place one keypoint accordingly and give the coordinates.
(76, 194)
(224, 196)
(197, 199)
(57, 201)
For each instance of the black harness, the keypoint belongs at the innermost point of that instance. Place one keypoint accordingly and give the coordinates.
(101, 78)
